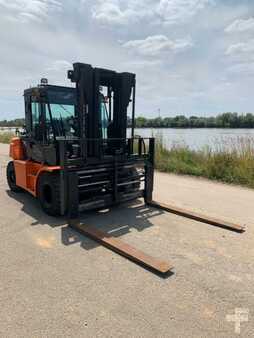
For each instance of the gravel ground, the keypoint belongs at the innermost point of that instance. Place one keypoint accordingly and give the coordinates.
(55, 282)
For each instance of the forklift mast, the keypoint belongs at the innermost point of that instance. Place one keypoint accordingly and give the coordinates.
(119, 89)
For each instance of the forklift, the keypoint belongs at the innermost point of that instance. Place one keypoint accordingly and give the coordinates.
(75, 153)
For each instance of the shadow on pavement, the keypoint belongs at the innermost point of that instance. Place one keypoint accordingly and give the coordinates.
(116, 221)
(31, 207)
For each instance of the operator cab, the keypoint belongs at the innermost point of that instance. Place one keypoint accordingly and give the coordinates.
(90, 119)
(52, 115)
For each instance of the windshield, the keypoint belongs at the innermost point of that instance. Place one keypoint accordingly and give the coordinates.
(60, 113)
(62, 120)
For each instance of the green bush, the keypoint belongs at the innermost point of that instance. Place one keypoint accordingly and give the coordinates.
(5, 137)
(232, 166)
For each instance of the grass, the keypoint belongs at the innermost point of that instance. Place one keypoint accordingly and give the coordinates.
(5, 137)
(230, 162)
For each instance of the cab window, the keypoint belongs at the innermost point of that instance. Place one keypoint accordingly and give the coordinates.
(37, 131)
(35, 115)
(63, 122)
(104, 117)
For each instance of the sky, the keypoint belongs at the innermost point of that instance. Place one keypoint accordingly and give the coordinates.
(191, 57)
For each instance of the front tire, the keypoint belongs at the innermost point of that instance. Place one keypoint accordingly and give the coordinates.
(11, 177)
(49, 193)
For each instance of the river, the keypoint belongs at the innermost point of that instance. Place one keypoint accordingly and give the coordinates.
(194, 138)
(198, 138)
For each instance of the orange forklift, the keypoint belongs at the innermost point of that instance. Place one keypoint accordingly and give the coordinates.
(75, 146)
(75, 153)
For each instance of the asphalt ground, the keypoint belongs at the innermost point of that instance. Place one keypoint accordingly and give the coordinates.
(55, 282)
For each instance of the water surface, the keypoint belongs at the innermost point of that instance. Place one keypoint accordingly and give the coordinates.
(197, 138)
(194, 138)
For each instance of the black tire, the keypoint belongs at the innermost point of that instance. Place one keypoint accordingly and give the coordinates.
(11, 177)
(49, 193)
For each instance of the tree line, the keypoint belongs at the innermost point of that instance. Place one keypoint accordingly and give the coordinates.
(12, 123)
(225, 120)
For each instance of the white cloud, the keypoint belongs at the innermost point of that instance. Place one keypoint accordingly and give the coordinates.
(241, 48)
(59, 66)
(196, 95)
(110, 12)
(57, 33)
(157, 44)
(168, 11)
(175, 11)
(242, 68)
(29, 10)
(241, 25)
(122, 12)
(139, 64)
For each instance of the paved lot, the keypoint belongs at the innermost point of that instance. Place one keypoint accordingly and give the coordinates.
(55, 282)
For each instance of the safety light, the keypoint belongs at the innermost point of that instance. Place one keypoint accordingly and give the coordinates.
(44, 81)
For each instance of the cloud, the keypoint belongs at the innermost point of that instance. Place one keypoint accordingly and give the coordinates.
(29, 10)
(175, 11)
(140, 64)
(241, 25)
(157, 44)
(120, 12)
(110, 13)
(241, 48)
(242, 68)
(41, 38)
(59, 66)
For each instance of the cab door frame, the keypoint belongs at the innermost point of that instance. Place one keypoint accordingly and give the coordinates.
(36, 133)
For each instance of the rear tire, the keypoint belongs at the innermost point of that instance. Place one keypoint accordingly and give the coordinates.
(11, 177)
(49, 193)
